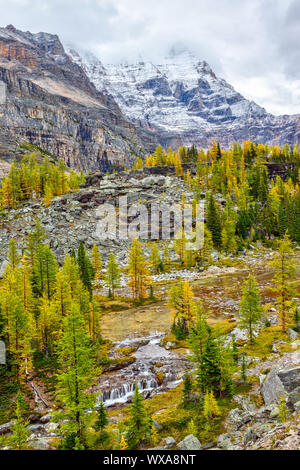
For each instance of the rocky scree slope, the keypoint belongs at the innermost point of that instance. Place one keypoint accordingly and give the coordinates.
(254, 427)
(184, 102)
(73, 217)
(48, 100)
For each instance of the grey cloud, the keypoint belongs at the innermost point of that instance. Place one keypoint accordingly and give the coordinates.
(290, 39)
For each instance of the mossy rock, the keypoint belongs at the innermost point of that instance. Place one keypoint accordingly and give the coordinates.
(119, 363)
(160, 377)
(125, 352)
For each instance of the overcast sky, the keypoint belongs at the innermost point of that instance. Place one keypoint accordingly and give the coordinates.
(253, 44)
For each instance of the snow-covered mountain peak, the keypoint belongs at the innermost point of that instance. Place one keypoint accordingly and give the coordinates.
(181, 98)
(87, 60)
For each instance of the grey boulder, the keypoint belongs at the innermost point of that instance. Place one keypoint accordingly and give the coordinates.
(41, 443)
(5, 428)
(282, 383)
(190, 442)
(168, 443)
(238, 418)
(293, 335)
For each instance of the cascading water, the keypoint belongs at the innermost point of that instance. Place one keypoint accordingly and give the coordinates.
(118, 387)
(125, 391)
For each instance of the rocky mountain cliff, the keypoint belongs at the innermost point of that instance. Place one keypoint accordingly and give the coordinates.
(48, 101)
(66, 104)
(184, 102)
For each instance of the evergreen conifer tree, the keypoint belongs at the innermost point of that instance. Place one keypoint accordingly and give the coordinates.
(19, 430)
(113, 275)
(187, 390)
(101, 421)
(243, 369)
(284, 267)
(213, 221)
(85, 268)
(77, 368)
(139, 422)
(210, 371)
(250, 307)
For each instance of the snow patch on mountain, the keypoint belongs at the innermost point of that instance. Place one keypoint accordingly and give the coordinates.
(181, 96)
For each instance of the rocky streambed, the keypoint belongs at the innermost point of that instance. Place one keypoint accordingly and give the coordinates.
(155, 369)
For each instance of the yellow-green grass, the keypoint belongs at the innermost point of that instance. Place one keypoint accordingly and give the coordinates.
(262, 346)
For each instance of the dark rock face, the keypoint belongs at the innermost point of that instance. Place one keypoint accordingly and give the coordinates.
(279, 169)
(50, 102)
(290, 380)
(42, 52)
(282, 383)
(159, 85)
(274, 169)
(5, 428)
